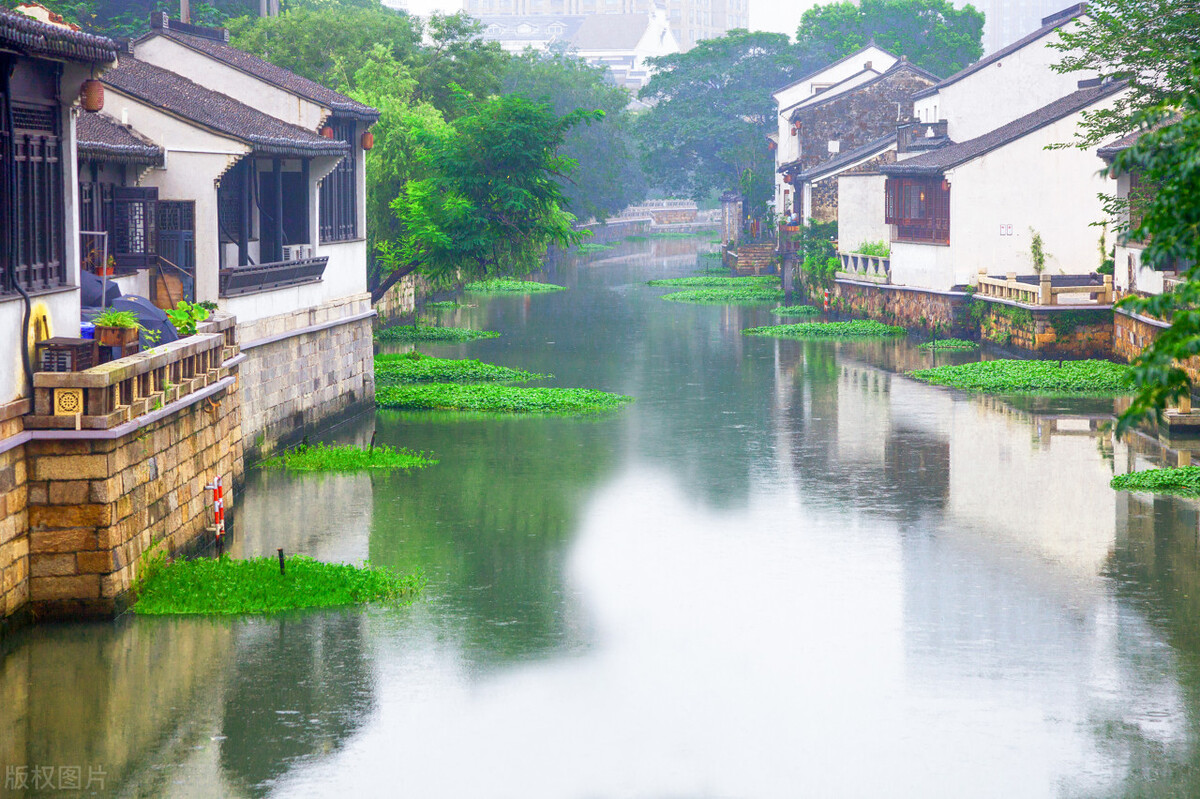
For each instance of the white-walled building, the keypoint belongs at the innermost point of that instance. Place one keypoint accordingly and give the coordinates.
(976, 205)
(1006, 21)
(1009, 83)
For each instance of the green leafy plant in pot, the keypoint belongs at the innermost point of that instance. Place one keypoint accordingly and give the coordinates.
(185, 315)
(117, 328)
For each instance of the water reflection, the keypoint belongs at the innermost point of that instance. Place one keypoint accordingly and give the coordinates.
(786, 569)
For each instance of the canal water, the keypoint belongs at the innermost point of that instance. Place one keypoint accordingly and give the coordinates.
(785, 570)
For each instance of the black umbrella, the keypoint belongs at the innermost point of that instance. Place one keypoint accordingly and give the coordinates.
(90, 289)
(150, 316)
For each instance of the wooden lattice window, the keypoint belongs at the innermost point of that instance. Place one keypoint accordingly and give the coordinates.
(338, 198)
(133, 235)
(919, 208)
(37, 205)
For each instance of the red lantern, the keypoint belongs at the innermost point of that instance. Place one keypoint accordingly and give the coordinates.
(788, 179)
(327, 132)
(367, 140)
(945, 185)
(91, 95)
(771, 145)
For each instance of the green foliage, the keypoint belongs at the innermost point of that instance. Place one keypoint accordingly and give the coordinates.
(1087, 378)
(788, 311)
(815, 251)
(121, 18)
(932, 33)
(1107, 256)
(950, 344)
(1037, 251)
(609, 177)
(414, 367)
(879, 249)
(442, 304)
(497, 399)
(326, 458)
(422, 333)
(1167, 156)
(490, 201)
(589, 247)
(710, 281)
(1064, 322)
(859, 328)
(1184, 481)
(1150, 43)
(110, 317)
(185, 315)
(225, 586)
(711, 109)
(506, 285)
(727, 296)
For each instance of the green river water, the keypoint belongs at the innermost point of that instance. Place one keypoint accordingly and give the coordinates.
(786, 570)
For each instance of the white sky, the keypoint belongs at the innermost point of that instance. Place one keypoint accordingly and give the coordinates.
(782, 16)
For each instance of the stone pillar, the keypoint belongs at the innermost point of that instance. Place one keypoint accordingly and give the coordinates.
(731, 217)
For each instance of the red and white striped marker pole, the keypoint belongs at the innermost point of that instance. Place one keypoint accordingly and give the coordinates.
(218, 500)
(826, 300)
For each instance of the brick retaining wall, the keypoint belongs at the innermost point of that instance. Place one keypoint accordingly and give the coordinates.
(944, 312)
(1053, 333)
(14, 523)
(1132, 334)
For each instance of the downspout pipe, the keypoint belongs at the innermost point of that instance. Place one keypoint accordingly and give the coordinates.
(10, 173)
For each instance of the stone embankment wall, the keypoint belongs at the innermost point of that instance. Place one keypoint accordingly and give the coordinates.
(1054, 333)
(1132, 334)
(14, 518)
(305, 368)
(97, 504)
(944, 312)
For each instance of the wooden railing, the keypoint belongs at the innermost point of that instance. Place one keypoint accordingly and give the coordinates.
(1042, 291)
(873, 268)
(116, 392)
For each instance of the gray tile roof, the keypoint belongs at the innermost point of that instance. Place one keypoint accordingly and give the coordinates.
(539, 27)
(212, 42)
(25, 36)
(935, 162)
(103, 138)
(840, 61)
(903, 65)
(178, 96)
(1049, 25)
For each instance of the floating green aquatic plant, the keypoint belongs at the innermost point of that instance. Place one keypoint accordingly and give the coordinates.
(714, 281)
(1087, 378)
(443, 304)
(787, 311)
(224, 586)
(415, 367)
(589, 247)
(859, 328)
(950, 344)
(428, 333)
(494, 398)
(508, 285)
(325, 458)
(1184, 481)
(726, 296)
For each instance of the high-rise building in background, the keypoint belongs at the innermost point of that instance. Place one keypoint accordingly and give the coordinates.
(690, 20)
(1009, 20)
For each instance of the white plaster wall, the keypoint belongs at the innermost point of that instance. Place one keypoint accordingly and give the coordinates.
(345, 276)
(861, 211)
(923, 266)
(1008, 89)
(220, 77)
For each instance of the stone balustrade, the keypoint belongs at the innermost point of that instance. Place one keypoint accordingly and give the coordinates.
(1046, 289)
(116, 392)
(870, 268)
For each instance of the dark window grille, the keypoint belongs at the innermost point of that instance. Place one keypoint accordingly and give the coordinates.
(37, 207)
(229, 200)
(133, 234)
(919, 208)
(339, 206)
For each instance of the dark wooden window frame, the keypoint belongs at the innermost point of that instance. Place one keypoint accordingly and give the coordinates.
(919, 209)
(338, 219)
(37, 144)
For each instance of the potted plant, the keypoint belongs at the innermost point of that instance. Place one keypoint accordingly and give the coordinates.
(116, 328)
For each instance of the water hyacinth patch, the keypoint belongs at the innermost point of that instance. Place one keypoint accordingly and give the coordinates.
(950, 344)
(713, 281)
(225, 586)
(440, 304)
(416, 367)
(859, 328)
(588, 247)
(325, 458)
(497, 399)
(726, 296)
(1183, 481)
(508, 285)
(1083, 378)
(788, 311)
(428, 333)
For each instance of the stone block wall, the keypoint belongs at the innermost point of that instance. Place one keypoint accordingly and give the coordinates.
(95, 505)
(1084, 333)
(400, 300)
(305, 368)
(1132, 334)
(673, 216)
(14, 523)
(943, 312)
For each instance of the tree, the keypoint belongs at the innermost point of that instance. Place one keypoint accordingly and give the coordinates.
(1153, 44)
(934, 34)
(609, 177)
(711, 112)
(490, 202)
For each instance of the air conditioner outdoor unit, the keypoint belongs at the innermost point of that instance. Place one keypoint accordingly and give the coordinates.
(297, 252)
